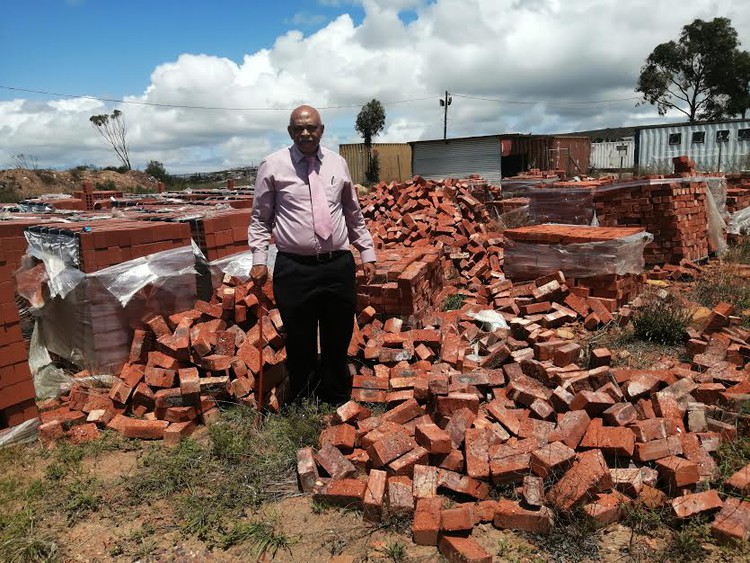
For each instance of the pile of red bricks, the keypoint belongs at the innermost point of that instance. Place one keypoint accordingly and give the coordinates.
(530, 414)
(179, 368)
(738, 198)
(539, 250)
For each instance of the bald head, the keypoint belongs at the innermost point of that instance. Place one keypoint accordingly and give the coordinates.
(306, 128)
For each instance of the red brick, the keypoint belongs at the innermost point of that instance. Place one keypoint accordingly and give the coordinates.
(334, 463)
(657, 449)
(400, 499)
(404, 412)
(464, 550)
(696, 503)
(341, 436)
(434, 439)
(159, 377)
(374, 495)
(342, 492)
(404, 465)
(552, 458)
(620, 414)
(178, 431)
(390, 447)
(143, 429)
(677, 472)
(458, 519)
(352, 411)
(740, 481)
(588, 476)
(627, 480)
(613, 440)
(457, 425)
(307, 471)
(425, 481)
(733, 522)
(463, 484)
(606, 508)
(571, 427)
(426, 526)
(510, 515)
(476, 452)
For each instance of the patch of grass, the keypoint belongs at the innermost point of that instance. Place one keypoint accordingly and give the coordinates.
(686, 544)
(396, 523)
(82, 498)
(199, 516)
(733, 456)
(723, 284)
(573, 538)
(263, 536)
(515, 553)
(738, 254)
(453, 302)
(394, 550)
(661, 319)
(21, 540)
(67, 458)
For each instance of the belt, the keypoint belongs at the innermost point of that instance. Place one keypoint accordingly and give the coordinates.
(313, 259)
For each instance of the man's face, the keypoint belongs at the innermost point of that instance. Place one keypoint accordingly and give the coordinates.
(305, 129)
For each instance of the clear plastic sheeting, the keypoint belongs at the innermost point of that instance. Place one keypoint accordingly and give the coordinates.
(572, 206)
(24, 433)
(58, 249)
(717, 227)
(491, 320)
(238, 266)
(124, 280)
(739, 223)
(525, 261)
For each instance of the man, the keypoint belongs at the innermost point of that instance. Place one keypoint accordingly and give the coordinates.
(305, 197)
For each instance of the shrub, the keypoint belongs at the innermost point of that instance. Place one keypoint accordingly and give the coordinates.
(662, 319)
(723, 283)
(109, 185)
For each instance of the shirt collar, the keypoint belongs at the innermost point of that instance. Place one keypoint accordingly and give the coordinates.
(298, 156)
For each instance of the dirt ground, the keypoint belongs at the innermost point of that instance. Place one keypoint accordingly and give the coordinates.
(20, 183)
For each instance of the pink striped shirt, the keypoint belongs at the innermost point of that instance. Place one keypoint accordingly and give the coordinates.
(282, 206)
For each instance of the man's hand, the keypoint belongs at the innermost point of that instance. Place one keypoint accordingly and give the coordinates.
(369, 268)
(259, 274)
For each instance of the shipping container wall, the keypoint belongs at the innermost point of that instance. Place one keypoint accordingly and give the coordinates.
(715, 147)
(613, 155)
(545, 152)
(394, 159)
(458, 158)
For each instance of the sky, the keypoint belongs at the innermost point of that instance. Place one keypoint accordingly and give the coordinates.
(209, 85)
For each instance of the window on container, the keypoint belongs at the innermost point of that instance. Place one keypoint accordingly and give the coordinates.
(699, 137)
(675, 138)
(722, 136)
(743, 135)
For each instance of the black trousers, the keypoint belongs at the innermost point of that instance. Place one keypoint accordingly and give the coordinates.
(312, 295)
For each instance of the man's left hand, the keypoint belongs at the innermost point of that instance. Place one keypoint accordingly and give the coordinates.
(369, 269)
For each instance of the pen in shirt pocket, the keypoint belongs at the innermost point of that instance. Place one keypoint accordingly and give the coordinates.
(332, 178)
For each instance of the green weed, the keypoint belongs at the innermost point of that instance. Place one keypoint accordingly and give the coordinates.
(394, 550)
(661, 319)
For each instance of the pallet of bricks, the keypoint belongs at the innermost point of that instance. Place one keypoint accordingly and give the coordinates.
(102, 277)
(17, 396)
(603, 266)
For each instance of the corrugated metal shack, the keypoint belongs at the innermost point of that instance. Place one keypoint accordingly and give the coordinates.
(715, 146)
(613, 155)
(394, 160)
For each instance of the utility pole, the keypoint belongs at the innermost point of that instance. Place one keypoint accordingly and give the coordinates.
(445, 103)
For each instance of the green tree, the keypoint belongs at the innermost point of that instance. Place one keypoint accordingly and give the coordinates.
(157, 170)
(703, 74)
(370, 122)
(114, 131)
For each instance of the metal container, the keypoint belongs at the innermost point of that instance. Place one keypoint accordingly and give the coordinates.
(394, 160)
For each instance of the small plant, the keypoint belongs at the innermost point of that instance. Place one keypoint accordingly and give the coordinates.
(661, 319)
(109, 185)
(82, 498)
(686, 544)
(22, 542)
(453, 302)
(262, 535)
(394, 550)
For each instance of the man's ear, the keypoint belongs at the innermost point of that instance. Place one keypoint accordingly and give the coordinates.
(289, 130)
(322, 129)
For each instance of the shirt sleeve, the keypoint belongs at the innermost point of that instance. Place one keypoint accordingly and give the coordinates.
(262, 218)
(359, 235)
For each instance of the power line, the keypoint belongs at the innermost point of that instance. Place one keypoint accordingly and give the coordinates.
(550, 102)
(182, 106)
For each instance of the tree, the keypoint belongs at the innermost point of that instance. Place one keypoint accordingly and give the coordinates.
(370, 122)
(157, 170)
(114, 131)
(703, 74)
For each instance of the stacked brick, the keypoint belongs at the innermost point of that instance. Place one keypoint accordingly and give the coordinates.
(178, 369)
(95, 199)
(17, 396)
(527, 412)
(738, 198)
(590, 271)
(405, 282)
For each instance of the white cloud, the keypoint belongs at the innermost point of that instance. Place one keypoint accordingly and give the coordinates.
(544, 51)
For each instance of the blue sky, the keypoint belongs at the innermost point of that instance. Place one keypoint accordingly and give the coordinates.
(107, 48)
(513, 66)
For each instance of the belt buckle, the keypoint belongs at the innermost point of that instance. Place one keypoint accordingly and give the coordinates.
(324, 256)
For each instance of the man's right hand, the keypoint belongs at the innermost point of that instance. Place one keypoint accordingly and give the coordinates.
(259, 274)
